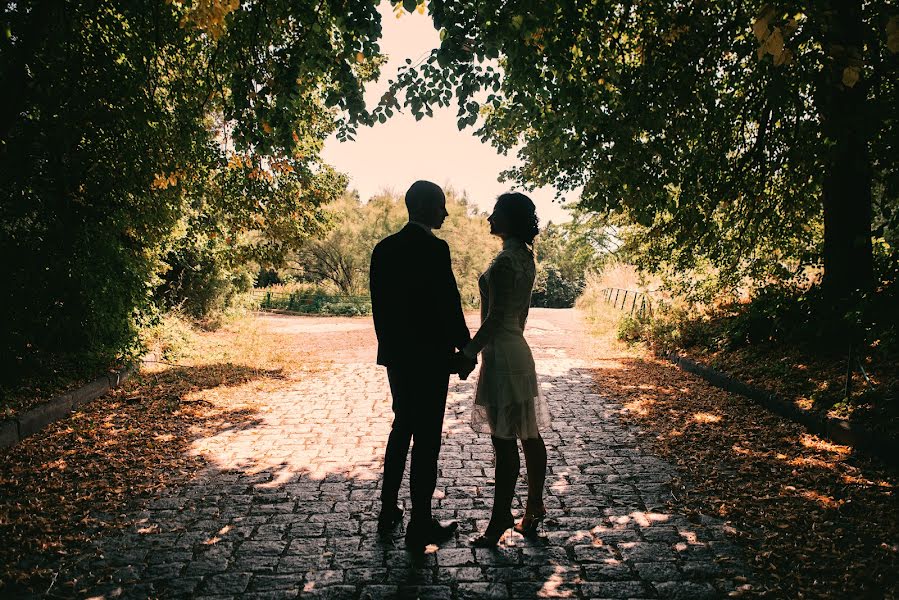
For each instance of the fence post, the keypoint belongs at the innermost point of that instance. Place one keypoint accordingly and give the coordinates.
(634, 303)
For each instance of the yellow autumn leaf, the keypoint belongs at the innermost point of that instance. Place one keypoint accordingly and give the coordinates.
(893, 34)
(160, 182)
(360, 57)
(850, 76)
(784, 58)
(266, 127)
(760, 29)
(420, 8)
(775, 43)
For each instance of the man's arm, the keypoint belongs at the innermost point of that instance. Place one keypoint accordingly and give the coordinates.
(377, 286)
(458, 330)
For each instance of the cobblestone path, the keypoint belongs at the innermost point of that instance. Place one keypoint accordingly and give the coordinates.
(287, 507)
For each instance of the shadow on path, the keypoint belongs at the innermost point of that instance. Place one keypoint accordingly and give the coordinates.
(84, 476)
(820, 520)
(287, 502)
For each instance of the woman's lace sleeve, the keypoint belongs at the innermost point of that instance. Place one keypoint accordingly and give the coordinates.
(500, 286)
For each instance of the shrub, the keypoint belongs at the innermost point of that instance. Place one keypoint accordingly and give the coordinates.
(200, 280)
(631, 328)
(348, 309)
(313, 300)
(552, 290)
(267, 278)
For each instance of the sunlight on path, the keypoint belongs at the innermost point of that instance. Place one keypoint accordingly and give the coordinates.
(288, 502)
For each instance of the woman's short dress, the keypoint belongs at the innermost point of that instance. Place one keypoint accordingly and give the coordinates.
(508, 403)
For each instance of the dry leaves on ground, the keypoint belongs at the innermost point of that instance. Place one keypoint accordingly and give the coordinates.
(820, 521)
(77, 479)
(815, 382)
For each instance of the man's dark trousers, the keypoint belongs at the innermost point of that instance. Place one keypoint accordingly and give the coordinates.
(419, 401)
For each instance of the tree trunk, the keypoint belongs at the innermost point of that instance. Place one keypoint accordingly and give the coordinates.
(848, 261)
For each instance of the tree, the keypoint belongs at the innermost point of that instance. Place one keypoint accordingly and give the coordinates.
(729, 132)
(566, 254)
(341, 257)
(131, 130)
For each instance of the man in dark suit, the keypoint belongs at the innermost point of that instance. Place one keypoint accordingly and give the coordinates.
(420, 327)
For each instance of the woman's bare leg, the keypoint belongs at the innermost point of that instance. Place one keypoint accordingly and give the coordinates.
(535, 462)
(506, 474)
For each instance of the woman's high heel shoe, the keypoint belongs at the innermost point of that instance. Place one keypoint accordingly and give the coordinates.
(492, 535)
(530, 522)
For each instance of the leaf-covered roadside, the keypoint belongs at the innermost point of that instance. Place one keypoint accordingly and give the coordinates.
(819, 521)
(79, 479)
(816, 383)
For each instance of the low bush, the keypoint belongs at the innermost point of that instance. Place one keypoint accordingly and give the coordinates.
(200, 279)
(553, 290)
(312, 300)
(631, 328)
(346, 309)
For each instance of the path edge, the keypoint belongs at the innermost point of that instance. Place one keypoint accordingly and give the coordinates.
(839, 431)
(16, 429)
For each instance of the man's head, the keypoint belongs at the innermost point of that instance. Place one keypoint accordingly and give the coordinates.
(426, 204)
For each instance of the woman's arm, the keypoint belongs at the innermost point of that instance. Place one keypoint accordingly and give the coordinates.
(500, 285)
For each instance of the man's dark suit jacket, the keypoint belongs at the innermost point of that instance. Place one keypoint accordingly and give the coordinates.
(415, 302)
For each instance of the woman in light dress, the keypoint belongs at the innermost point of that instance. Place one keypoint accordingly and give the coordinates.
(508, 402)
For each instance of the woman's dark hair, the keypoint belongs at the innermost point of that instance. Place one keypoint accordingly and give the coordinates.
(521, 215)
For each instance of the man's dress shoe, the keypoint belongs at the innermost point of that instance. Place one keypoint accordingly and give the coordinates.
(390, 517)
(419, 535)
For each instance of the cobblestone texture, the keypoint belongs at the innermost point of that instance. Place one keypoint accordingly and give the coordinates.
(288, 507)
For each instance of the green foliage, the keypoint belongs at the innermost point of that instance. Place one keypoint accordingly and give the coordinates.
(199, 279)
(341, 257)
(472, 247)
(136, 133)
(566, 254)
(267, 277)
(663, 332)
(631, 328)
(315, 301)
(792, 313)
(553, 290)
(718, 133)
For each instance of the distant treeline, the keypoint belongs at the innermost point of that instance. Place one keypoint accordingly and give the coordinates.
(337, 262)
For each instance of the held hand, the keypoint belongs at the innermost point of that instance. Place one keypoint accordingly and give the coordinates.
(462, 365)
(469, 367)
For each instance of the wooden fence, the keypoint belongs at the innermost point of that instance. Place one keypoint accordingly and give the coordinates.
(628, 300)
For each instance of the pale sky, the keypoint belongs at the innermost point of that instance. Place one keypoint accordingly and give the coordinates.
(395, 154)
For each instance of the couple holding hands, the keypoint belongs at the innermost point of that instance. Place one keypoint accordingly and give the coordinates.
(422, 338)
